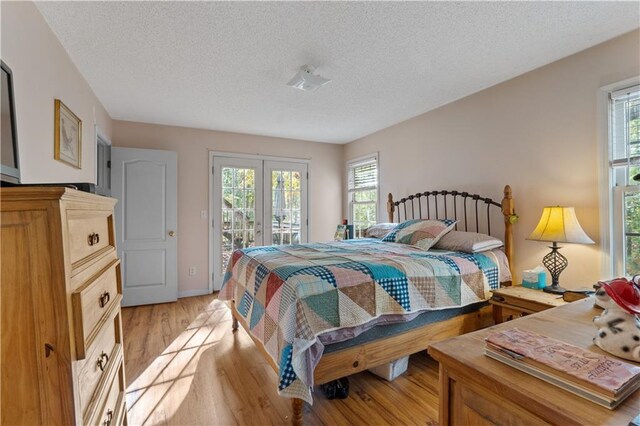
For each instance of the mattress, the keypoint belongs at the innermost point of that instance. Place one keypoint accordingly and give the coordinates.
(347, 338)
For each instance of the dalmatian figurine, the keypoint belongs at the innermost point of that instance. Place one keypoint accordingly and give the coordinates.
(619, 326)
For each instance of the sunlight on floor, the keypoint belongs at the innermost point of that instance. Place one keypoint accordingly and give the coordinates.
(173, 371)
(198, 372)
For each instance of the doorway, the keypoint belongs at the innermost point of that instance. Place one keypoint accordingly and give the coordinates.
(255, 201)
(144, 181)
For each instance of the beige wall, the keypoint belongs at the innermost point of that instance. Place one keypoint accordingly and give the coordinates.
(193, 146)
(42, 71)
(537, 132)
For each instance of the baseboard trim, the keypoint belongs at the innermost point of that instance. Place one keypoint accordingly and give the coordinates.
(191, 293)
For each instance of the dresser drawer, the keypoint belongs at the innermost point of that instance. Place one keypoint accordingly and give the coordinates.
(93, 369)
(93, 302)
(90, 234)
(107, 407)
(112, 410)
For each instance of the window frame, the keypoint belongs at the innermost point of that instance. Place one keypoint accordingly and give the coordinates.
(351, 164)
(103, 168)
(612, 216)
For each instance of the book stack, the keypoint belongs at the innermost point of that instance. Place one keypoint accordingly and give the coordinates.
(604, 380)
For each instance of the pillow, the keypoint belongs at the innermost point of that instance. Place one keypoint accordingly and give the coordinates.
(379, 230)
(419, 232)
(468, 242)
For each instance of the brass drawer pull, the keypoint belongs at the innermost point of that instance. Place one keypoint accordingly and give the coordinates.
(104, 299)
(107, 421)
(93, 239)
(103, 359)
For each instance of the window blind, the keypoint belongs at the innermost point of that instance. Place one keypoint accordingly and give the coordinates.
(625, 127)
(363, 175)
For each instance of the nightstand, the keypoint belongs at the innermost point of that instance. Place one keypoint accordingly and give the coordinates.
(517, 301)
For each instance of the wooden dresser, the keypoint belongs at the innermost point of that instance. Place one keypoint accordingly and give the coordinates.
(62, 359)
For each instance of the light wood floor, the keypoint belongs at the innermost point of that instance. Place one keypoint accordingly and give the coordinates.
(184, 366)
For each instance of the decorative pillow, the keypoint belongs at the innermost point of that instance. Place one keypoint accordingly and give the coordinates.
(468, 242)
(419, 232)
(379, 230)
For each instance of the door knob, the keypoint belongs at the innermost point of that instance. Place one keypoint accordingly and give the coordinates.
(172, 233)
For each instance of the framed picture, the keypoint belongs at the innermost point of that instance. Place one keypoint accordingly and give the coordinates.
(67, 135)
(340, 232)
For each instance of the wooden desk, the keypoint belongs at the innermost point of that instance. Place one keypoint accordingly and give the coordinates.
(475, 389)
(517, 301)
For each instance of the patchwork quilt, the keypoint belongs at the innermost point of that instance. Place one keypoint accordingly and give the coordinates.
(291, 294)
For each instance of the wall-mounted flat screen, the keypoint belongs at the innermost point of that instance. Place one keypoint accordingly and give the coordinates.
(9, 164)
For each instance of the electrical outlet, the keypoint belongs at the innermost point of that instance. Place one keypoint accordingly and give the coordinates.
(192, 271)
(203, 214)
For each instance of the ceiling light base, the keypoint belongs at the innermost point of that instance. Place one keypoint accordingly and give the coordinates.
(306, 80)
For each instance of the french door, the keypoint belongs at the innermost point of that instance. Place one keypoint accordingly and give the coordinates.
(255, 202)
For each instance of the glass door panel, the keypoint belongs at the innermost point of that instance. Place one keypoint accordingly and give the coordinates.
(237, 202)
(285, 206)
(238, 210)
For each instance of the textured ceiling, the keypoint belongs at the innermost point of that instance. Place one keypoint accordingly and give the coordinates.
(224, 65)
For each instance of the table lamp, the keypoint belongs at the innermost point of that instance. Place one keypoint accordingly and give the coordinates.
(558, 225)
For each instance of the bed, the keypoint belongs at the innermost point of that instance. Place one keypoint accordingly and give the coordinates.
(322, 311)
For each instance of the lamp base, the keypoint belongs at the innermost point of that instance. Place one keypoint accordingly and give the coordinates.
(554, 289)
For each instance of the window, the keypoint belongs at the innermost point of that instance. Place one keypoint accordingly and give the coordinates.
(103, 165)
(363, 193)
(624, 165)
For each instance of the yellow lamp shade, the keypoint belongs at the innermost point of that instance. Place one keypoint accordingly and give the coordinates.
(560, 224)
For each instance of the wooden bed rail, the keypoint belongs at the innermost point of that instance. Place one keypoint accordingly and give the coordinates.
(449, 201)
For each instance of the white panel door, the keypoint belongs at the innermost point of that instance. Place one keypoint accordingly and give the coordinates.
(285, 206)
(144, 181)
(237, 210)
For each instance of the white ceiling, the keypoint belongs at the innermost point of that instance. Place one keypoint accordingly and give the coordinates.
(224, 65)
